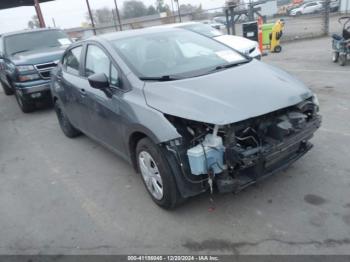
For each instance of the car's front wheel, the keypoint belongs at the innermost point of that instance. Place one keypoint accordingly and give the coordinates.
(156, 174)
(25, 105)
(68, 129)
(8, 91)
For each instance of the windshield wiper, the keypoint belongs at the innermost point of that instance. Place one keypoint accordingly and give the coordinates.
(21, 51)
(160, 78)
(225, 66)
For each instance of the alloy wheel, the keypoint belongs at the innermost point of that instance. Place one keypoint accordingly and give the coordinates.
(151, 175)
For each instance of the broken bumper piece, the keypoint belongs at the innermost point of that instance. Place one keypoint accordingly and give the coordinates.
(255, 165)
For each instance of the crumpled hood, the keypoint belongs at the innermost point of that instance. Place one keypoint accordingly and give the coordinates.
(237, 42)
(39, 56)
(228, 96)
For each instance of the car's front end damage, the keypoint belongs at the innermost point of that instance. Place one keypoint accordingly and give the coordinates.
(234, 127)
(234, 156)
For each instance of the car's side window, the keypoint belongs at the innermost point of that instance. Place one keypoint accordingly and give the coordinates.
(71, 61)
(98, 62)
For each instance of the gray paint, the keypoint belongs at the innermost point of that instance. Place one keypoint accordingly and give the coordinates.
(224, 97)
(228, 96)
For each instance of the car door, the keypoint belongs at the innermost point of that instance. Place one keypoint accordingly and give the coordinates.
(105, 118)
(309, 8)
(2, 61)
(72, 82)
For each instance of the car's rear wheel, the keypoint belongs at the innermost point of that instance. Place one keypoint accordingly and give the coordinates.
(156, 174)
(25, 105)
(68, 129)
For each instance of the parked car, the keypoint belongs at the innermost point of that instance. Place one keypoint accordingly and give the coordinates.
(188, 112)
(214, 25)
(220, 20)
(334, 5)
(307, 8)
(26, 60)
(241, 44)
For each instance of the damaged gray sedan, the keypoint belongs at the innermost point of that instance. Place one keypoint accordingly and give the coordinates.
(189, 113)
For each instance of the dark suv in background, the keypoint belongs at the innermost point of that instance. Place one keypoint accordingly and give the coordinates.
(26, 60)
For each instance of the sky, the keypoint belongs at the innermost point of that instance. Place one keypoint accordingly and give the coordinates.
(71, 13)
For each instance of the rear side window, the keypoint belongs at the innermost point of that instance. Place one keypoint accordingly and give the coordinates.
(71, 61)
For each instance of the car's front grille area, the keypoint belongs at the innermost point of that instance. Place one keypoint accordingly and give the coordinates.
(45, 69)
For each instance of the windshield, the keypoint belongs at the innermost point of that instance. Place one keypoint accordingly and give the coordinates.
(203, 29)
(178, 53)
(35, 40)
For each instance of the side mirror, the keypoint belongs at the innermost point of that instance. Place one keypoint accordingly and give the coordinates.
(99, 81)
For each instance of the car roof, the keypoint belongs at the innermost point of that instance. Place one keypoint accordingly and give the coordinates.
(29, 31)
(135, 32)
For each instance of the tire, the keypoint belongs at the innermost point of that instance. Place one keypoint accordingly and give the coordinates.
(298, 13)
(25, 105)
(335, 56)
(150, 160)
(7, 90)
(277, 49)
(67, 128)
(342, 60)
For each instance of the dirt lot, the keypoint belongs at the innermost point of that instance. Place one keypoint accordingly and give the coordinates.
(65, 196)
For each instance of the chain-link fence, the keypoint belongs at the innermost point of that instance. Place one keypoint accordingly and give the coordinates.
(302, 19)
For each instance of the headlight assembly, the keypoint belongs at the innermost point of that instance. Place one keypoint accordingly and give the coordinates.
(315, 100)
(24, 78)
(25, 68)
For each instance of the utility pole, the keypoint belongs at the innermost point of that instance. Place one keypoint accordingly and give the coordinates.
(54, 22)
(39, 14)
(172, 7)
(178, 9)
(118, 15)
(91, 17)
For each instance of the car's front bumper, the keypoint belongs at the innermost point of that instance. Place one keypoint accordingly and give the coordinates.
(34, 89)
(254, 167)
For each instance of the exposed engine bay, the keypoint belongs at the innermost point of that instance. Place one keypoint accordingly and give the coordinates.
(237, 155)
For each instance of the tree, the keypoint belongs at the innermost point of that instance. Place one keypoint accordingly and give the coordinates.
(101, 16)
(151, 10)
(134, 8)
(34, 22)
(161, 8)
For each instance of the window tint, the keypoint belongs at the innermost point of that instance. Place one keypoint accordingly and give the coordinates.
(71, 61)
(96, 61)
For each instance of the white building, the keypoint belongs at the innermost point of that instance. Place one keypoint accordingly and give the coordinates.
(344, 6)
(270, 8)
